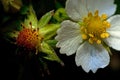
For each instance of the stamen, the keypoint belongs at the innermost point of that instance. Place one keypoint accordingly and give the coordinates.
(90, 14)
(106, 24)
(84, 36)
(96, 13)
(94, 28)
(104, 16)
(90, 40)
(98, 41)
(104, 35)
(91, 35)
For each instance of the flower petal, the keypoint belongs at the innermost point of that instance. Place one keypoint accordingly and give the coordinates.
(104, 6)
(70, 46)
(115, 23)
(114, 31)
(68, 37)
(92, 57)
(113, 42)
(68, 30)
(76, 9)
(114, 34)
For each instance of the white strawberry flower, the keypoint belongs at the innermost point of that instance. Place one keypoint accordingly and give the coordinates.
(90, 32)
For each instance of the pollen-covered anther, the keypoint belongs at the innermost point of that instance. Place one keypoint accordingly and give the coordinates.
(104, 16)
(91, 35)
(89, 15)
(83, 29)
(90, 40)
(84, 36)
(106, 24)
(98, 41)
(104, 35)
(96, 13)
(94, 28)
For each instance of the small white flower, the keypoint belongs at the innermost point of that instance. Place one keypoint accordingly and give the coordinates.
(91, 29)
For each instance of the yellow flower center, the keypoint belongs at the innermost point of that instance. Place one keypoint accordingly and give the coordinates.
(94, 27)
(29, 38)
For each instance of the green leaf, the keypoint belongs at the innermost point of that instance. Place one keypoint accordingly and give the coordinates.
(31, 18)
(58, 5)
(11, 5)
(45, 19)
(49, 30)
(24, 10)
(51, 55)
(60, 15)
(16, 4)
(6, 4)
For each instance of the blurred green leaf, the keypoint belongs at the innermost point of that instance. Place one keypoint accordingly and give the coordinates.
(24, 10)
(6, 4)
(58, 5)
(11, 5)
(10, 31)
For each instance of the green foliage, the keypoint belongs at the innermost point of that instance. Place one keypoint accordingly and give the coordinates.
(45, 19)
(49, 51)
(60, 15)
(49, 31)
(31, 18)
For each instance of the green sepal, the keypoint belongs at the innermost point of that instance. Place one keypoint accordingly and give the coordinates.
(52, 43)
(11, 36)
(50, 53)
(49, 30)
(45, 19)
(31, 18)
(10, 32)
(44, 66)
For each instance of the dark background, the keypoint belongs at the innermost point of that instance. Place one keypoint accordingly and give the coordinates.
(17, 67)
